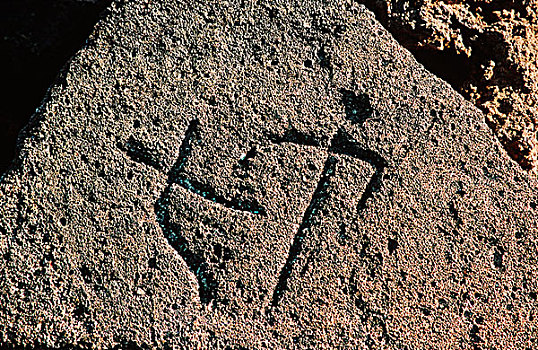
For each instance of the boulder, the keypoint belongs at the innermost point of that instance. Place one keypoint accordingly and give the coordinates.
(231, 174)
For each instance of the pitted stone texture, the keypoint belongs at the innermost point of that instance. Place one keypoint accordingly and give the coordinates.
(230, 174)
(487, 50)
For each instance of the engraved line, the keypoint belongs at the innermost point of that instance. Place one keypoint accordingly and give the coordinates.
(141, 154)
(207, 284)
(318, 197)
(294, 136)
(344, 145)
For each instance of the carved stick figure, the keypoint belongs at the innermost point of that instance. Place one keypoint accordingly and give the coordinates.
(341, 144)
(196, 262)
(357, 109)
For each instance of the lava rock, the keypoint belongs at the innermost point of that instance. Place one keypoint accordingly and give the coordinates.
(229, 174)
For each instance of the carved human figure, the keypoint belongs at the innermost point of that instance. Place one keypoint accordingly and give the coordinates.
(357, 108)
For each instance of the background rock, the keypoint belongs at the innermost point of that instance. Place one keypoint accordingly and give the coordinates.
(37, 38)
(487, 50)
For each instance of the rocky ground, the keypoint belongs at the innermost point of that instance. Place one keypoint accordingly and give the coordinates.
(487, 50)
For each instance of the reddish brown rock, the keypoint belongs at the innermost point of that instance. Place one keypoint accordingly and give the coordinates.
(239, 175)
(487, 49)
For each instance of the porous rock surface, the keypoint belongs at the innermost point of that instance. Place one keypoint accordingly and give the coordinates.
(36, 39)
(230, 174)
(492, 48)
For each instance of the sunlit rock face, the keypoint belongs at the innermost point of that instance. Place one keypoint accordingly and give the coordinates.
(230, 174)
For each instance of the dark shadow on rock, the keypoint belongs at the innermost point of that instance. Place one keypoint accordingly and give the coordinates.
(36, 39)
